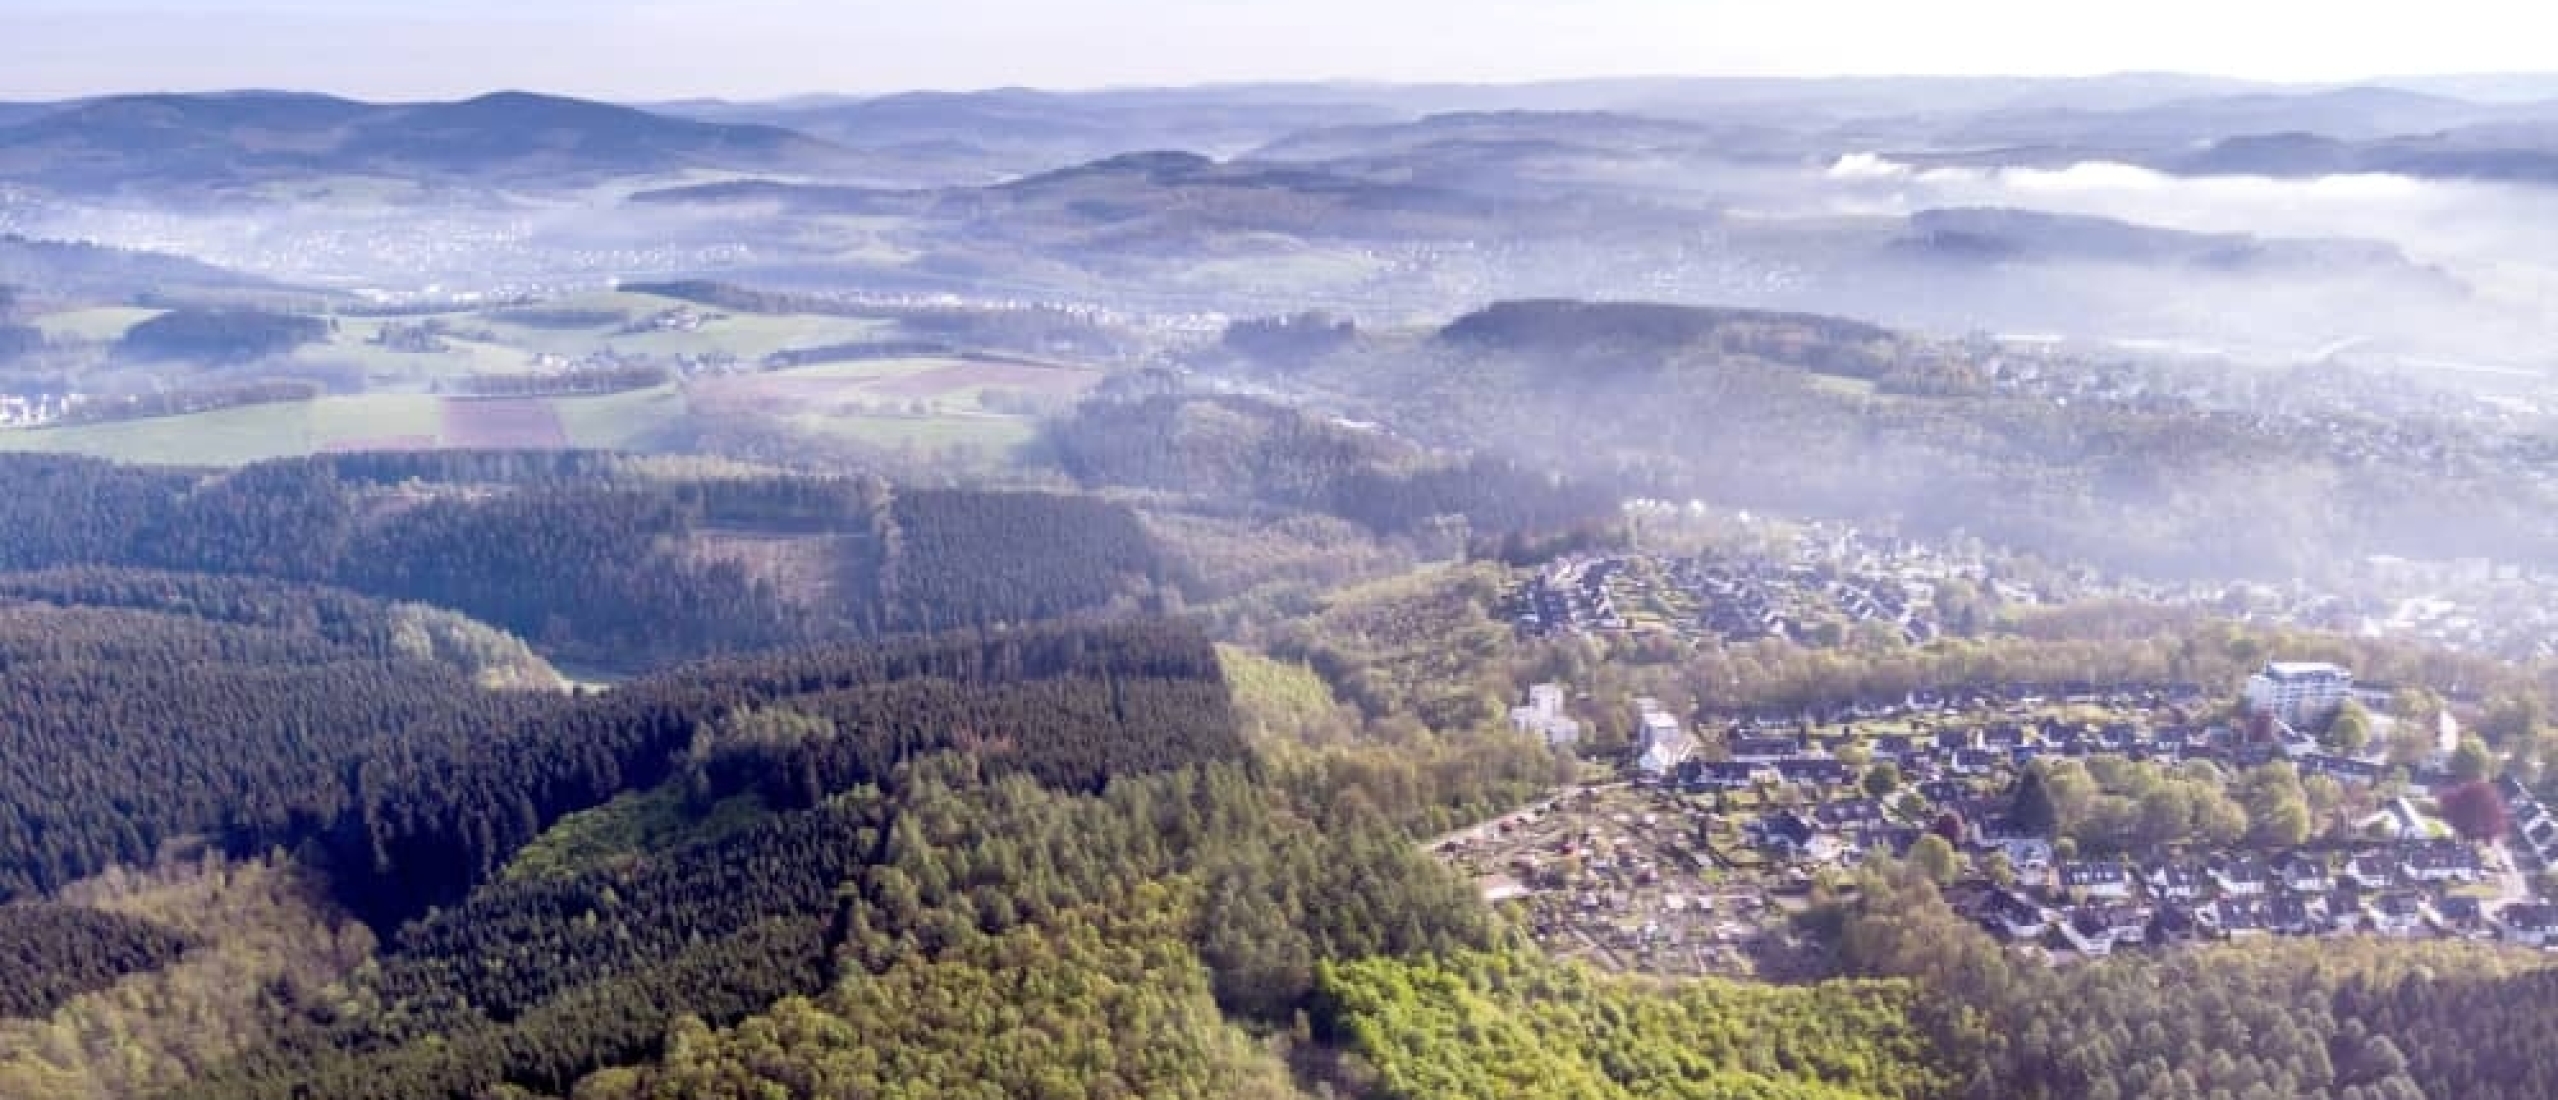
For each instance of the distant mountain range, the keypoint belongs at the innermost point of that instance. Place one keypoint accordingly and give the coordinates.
(157, 142)
(173, 145)
(1146, 200)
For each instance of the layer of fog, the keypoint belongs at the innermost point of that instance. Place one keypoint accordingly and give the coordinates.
(2458, 225)
(2499, 241)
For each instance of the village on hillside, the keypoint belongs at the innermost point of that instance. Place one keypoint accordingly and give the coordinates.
(1821, 585)
(2074, 824)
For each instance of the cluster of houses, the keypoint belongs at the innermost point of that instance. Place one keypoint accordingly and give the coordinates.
(685, 364)
(677, 319)
(1761, 753)
(2413, 888)
(1830, 574)
(2535, 828)
(1746, 599)
(2406, 880)
(423, 338)
(1731, 598)
(35, 411)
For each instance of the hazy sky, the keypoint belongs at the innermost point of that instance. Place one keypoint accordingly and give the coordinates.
(648, 49)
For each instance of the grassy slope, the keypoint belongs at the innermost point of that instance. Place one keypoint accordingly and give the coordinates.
(627, 828)
(225, 437)
(622, 421)
(233, 437)
(102, 324)
(1278, 700)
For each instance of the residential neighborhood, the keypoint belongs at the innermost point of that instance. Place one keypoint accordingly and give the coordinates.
(1694, 857)
(35, 410)
(1827, 585)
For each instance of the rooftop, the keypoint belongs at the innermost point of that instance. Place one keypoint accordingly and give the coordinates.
(2305, 670)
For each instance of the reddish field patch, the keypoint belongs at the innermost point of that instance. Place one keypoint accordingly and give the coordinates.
(519, 424)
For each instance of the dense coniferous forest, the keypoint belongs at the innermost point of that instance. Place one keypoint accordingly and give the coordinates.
(130, 728)
(939, 871)
(592, 556)
(437, 819)
(52, 953)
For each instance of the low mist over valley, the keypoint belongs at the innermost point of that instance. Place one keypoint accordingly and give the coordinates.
(1727, 588)
(2400, 224)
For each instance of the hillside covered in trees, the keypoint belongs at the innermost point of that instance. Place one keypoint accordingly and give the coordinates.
(594, 557)
(2145, 470)
(1237, 449)
(918, 792)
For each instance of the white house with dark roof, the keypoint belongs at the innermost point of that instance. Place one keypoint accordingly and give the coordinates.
(2303, 873)
(2102, 881)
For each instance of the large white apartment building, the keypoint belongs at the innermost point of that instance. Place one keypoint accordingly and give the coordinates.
(1544, 717)
(2303, 694)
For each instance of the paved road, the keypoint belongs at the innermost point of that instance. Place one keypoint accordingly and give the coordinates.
(2513, 885)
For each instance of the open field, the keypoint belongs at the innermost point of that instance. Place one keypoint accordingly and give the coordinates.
(630, 421)
(939, 404)
(224, 437)
(383, 366)
(746, 336)
(922, 403)
(944, 381)
(990, 435)
(102, 324)
(497, 424)
(374, 421)
(255, 433)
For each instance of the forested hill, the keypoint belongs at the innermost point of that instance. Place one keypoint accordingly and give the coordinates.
(139, 727)
(2132, 469)
(1233, 449)
(592, 557)
(146, 708)
(1630, 332)
(1072, 706)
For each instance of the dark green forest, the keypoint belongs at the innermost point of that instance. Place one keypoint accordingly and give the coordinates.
(51, 953)
(920, 793)
(219, 336)
(590, 556)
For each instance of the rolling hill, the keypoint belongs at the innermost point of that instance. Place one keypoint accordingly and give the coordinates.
(71, 270)
(170, 142)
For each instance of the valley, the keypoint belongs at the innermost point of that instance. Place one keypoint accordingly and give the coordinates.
(1936, 588)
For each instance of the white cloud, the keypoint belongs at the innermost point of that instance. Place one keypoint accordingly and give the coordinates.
(1868, 166)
